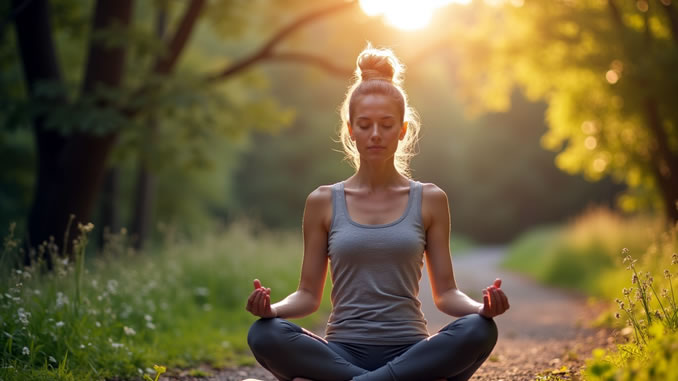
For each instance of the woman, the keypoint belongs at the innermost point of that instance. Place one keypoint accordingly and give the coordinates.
(374, 229)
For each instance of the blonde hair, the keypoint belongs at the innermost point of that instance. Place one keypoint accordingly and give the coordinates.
(378, 71)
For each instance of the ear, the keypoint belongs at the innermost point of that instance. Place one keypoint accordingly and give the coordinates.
(403, 130)
(350, 130)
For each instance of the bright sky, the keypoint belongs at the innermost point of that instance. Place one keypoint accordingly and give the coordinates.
(414, 14)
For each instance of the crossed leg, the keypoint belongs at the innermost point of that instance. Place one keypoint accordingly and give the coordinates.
(454, 353)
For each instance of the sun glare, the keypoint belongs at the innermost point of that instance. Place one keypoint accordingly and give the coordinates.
(406, 14)
(417, 14)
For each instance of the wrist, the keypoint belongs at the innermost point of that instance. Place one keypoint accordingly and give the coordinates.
(274, 311)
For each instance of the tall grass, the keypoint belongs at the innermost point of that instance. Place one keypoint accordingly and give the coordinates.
(584, 254)
(119, 312)
(647, 305)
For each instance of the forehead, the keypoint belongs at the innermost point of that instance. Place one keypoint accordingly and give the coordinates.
(376, 106)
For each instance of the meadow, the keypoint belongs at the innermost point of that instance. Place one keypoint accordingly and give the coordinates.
(118, 312)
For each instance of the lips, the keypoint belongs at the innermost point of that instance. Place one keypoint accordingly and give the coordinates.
(376, 147)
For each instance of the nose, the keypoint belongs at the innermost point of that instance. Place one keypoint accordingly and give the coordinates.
(375, 133)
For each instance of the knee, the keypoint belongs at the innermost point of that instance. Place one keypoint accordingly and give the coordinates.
(265, 334)
(483, 332)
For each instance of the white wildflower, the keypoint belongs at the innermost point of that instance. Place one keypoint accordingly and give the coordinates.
(150, 325)
(61, 299)
(129, 331)
(52, 359)
(201, 291)
(26, 351)
(112, 286)
(148, 317)
(59, 324)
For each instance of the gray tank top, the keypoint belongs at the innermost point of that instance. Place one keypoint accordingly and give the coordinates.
(375, 273)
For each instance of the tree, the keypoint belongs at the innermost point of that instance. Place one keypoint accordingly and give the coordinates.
(604, 67)
(75, 135)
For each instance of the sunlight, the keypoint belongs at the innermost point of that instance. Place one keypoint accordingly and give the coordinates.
(406, 14)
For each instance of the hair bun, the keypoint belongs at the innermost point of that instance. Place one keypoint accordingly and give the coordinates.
(378, 64)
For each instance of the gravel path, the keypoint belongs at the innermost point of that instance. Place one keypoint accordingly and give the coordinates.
(545, 328)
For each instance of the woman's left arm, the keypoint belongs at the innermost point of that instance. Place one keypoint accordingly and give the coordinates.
(447, 297)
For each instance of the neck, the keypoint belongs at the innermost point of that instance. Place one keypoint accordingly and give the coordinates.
(375, 176)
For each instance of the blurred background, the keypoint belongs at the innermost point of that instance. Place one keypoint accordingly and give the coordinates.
(522, 124)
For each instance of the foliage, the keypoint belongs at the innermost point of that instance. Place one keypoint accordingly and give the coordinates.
(179, 305)
(604, 69)
(583, 254)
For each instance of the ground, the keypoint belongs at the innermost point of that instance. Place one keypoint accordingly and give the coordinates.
(544, 330)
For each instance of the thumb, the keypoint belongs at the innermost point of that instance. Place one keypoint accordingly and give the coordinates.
(497, 283)
(257, 284)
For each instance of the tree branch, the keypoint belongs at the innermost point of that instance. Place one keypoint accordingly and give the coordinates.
(266, 50)
(616, 14)
(673, 19)
(166, 63)
(309, 59)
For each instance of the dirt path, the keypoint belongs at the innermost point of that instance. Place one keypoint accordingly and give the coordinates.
(545, 328)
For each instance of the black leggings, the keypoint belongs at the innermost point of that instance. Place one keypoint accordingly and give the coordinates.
(454, 353)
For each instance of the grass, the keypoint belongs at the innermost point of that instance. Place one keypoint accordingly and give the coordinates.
(628, 260)
(585, 254)
(118, 313)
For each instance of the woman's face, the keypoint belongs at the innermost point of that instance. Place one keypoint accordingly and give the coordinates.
(376, 126)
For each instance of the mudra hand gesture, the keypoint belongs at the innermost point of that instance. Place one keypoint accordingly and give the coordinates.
(495, 301)
(259, 302)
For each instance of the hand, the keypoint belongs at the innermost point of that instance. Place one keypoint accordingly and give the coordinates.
(259, 302)
(495, 301)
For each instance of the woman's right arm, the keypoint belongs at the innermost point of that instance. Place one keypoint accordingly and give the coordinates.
(306, 300)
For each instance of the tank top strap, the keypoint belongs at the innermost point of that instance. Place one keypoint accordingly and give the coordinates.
(417, 197)
(338, 203)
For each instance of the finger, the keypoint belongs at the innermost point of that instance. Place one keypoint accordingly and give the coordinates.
(250, 300)
(486, 302)
(497, 283)
(267, 303)
(257, 283)
(257, 303)
(504, 299)
(498, 301)
(268, 291)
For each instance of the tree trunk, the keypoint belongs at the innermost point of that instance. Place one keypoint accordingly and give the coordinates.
(664, 161)
(144, 200)
(109, 204)
(145, 188)
(69, 168)
(36, 48)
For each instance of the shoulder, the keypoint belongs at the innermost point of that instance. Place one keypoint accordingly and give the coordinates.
(432, 194)
(434, 205)
(322, 195)
(319, 206)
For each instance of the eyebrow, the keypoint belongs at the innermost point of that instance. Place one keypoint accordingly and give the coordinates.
(382, 118)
